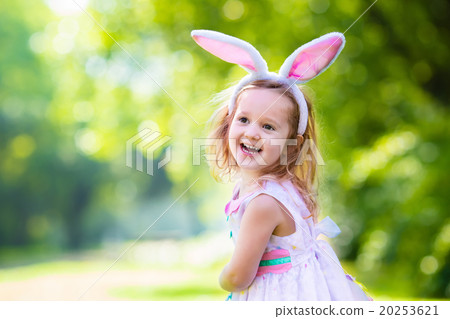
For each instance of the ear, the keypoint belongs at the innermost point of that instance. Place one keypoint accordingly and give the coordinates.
(300, 139)
(313, 58)
(231, 49)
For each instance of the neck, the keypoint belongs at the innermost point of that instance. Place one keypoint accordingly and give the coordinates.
(248, 183)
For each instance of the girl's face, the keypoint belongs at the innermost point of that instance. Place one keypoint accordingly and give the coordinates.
(259, 129)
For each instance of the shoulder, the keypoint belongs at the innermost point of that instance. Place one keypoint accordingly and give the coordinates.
(264, 201)
(265, 207)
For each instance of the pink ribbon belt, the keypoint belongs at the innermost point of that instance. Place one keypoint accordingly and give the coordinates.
(276, 261)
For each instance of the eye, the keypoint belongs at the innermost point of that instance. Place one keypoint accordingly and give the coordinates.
(268, 127)
(243, 120)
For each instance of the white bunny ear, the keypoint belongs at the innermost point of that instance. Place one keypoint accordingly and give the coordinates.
(231, 49)
(313, 58)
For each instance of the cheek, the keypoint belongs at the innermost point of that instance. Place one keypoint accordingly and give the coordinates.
(231, 139)
(231, 130)
(275, 150)
(234, 131)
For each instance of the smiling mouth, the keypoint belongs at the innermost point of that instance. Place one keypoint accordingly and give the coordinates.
(249, 150)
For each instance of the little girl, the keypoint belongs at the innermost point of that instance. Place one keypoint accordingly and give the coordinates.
(273, 211)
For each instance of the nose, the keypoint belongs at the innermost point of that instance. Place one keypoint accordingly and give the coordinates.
(252, 132)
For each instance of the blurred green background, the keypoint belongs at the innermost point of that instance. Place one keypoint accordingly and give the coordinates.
(71, 97)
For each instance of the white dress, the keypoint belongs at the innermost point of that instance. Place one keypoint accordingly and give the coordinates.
(297, 266)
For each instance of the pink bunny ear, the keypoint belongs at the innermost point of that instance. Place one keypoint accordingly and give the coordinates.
(231, 49)
(313, 58)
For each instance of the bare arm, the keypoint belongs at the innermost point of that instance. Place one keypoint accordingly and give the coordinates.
(262, 215)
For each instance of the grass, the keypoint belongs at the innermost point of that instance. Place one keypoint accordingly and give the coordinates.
(193, 280)
(203, 290)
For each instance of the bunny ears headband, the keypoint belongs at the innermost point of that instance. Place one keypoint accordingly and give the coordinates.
(307, 62)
